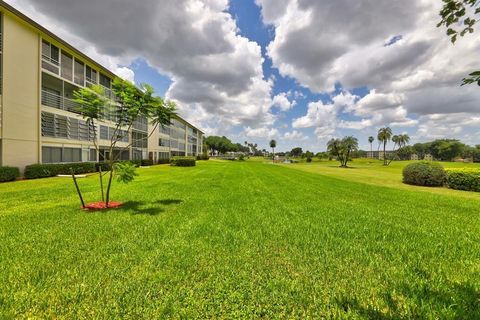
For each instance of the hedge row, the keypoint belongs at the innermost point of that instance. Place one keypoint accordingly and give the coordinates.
(183, 162)
(36, 171)
(9, 174)
(163, 161)
(463, 179)
(433, 174)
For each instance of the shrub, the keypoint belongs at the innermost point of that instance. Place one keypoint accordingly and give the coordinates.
(309, 159)
(183, 162)
(203, 157)
(104, 165)
(424, 174)
(9, 174)
(36, 171)
(146, 162)
(136, 163)
(463, 179)
(163, 161)
(241, 157)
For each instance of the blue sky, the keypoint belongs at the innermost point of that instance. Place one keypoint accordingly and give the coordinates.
(248, 18)
(298, 71)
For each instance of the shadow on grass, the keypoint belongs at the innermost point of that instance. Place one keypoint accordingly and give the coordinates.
(339, 167)
(457, 301)
(152, 208)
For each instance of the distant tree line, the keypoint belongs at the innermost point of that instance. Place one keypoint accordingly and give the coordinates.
(346, 149)
(222, 145)
(441, 149)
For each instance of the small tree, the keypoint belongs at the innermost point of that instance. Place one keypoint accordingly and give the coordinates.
(342, 149)
(273, 145)
(131, 103)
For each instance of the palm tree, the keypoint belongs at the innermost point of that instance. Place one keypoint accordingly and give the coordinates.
(384, 135)
(395, 141)
(371, 139)
(403, 140)
(273, 144)
(400, 141)
(342, 149)
(333, 147)
(350, 144)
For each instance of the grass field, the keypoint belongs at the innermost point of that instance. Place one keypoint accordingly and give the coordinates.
(241, 240)
(370, 171)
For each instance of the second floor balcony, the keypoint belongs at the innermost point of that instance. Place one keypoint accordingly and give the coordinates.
(55, 100)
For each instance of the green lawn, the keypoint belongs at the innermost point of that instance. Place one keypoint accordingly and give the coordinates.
(240, 240)
(373, 172)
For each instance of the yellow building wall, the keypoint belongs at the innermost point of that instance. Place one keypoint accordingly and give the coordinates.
(20, 116)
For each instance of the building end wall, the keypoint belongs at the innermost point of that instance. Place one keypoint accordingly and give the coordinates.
(20, 138)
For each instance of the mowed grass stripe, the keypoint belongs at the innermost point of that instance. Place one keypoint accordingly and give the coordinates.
(240, 240)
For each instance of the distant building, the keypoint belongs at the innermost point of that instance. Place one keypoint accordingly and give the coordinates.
(379, 154)
(428, 157)
(414, 156)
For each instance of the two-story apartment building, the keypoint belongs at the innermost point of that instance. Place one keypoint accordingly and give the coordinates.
(38, 119)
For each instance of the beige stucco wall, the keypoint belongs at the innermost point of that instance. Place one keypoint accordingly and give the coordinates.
(20, 116)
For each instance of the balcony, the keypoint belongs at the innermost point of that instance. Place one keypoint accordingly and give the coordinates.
(54, 100)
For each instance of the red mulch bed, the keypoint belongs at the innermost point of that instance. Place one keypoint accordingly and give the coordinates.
(102, 205)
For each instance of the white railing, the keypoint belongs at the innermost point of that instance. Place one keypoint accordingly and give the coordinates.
(50, 60)
(54, 100)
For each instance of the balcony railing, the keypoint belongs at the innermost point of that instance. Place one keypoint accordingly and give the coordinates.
(50, 60)
(54, 100)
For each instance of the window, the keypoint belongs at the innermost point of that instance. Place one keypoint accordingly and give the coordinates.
(105, 81)
(139, 139)
(57, 154)
(85, 132)
(51, 154)
(67, 66)
(106, 133)
(163, 155)
(61, 126)
(50, 57)
(91, 76)
(174, 144)
(164, 130)
(137, 154)
(48, 124)
(72, 155)
(73, 127)
(79, 76)
(141, 123)
(163, 142)
(178, 153)
(54, 125)
(93, 155)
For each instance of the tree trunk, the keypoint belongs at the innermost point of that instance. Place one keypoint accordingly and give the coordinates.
(101, 181)
(109, 185)
(385, 153)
